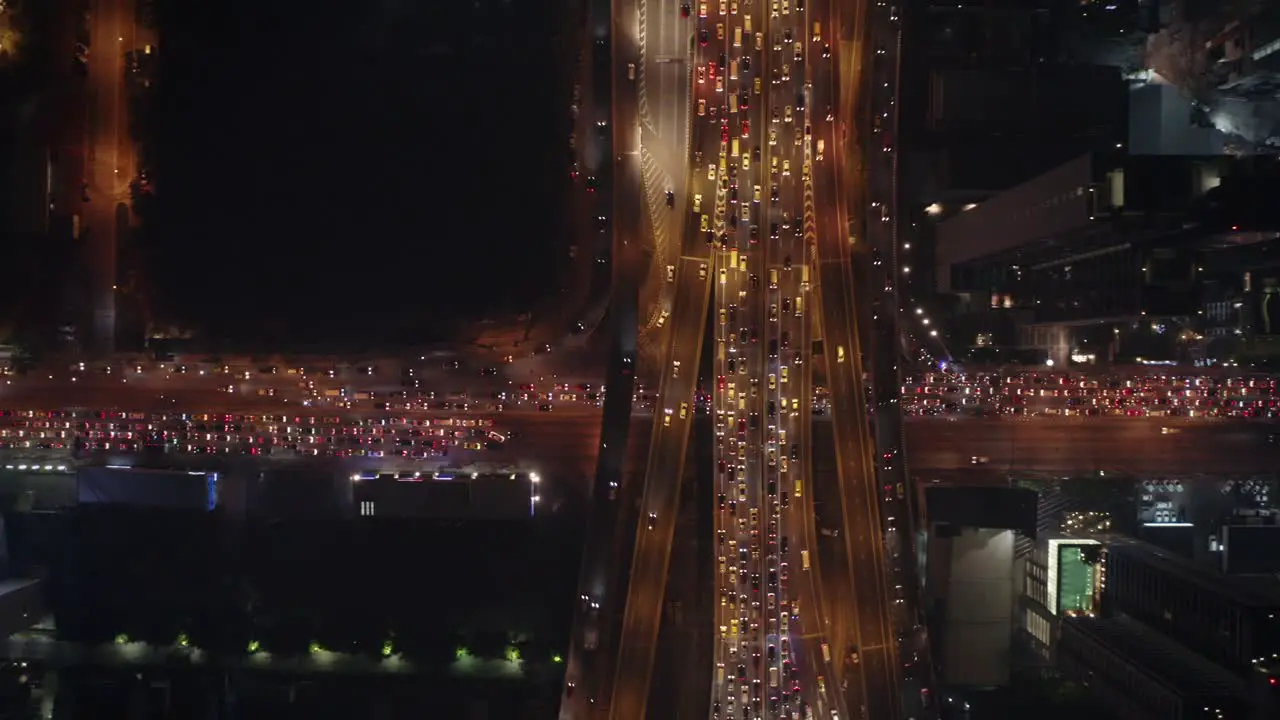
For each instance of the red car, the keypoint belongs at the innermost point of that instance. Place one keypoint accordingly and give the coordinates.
(711, 69)
(724, 134)
(684, 10)
(746, 128)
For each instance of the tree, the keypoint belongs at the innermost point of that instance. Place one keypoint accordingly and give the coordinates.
(489, 644)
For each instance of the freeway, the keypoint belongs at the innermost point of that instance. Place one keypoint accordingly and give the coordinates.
(662, 98)
(863, 635)
(769, 656)
(1061, 445)
(567, 436)
(1119, 446)
(111, 162)
(871, 64)
(663, 473)
(691, 275)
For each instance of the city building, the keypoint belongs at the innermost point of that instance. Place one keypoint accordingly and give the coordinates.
(1062, 578)
(970, 582)
(445, 495)
(995, 92)
(1177, 638)
(1139, 675)
(1101, 257)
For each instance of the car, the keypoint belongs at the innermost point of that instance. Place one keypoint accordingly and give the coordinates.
(684, 410)
(671, 199)
(826, 51)
(697, 202)
(702, 10)
(666, 418)
(724, 135)
(703, 37)
(705, 223)
(786, 168)
(711, 171)
(719, 31)
(702, 107)
(684, 10)
(724, 277)
(746, 128)
(755, 194)
(702, 271)
(979, 460)
(773, 136)
(671, 273)
(653, 520)
(702, 74)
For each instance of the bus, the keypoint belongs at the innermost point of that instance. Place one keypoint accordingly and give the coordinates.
(804, 559)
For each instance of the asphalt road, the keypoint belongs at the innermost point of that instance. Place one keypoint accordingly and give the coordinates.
(1073, 445)
(862, 635)
(110, 158)
(664, 470)
(662, 115)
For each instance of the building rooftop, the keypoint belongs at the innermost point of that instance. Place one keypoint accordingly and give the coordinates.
(1254, 591)
(1157, 655)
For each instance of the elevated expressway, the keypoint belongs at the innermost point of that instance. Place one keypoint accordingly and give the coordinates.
(623, 690)
(863, 638)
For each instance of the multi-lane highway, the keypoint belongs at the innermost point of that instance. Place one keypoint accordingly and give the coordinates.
(679, 350)
(751, 94)
(862, 641)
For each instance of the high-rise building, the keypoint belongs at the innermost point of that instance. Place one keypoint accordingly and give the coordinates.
(1175, 639)
(1103, 256)
(996, 92)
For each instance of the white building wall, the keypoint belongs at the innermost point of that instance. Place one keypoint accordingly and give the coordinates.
(979, 609)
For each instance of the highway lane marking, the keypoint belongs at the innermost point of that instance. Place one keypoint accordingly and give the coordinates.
(642, 93)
